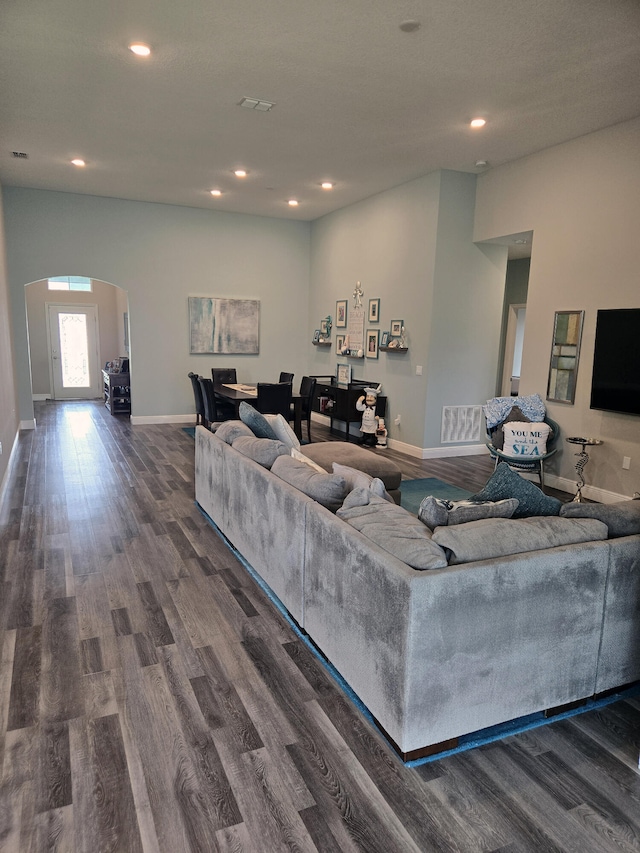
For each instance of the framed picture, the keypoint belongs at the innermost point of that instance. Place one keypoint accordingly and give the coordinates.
(565, 352)
(343, 375)
(220, 325)
(384, 340)
(396, 328)
(341, 314)
(372, 343)
(324, 328)
(339, 343)
(374, 310)
(316, 336)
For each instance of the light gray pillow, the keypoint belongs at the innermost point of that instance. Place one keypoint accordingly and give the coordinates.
(355, 479)
(622, 518)
(395, 530)
(228, 431)
(264, 451)
(327, 489)
(499, 537)
(283, 431)
(435, 512)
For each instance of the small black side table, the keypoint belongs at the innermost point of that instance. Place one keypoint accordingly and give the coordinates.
(583, 458)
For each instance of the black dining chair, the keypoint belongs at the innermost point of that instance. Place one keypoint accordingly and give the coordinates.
(286, 377)
(307, 393)
(222, 375)
(209, 400)
(274, 398)
(197, 396)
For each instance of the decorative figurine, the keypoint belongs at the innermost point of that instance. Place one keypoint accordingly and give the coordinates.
(358, 293)
(367, 405)
(381, 434)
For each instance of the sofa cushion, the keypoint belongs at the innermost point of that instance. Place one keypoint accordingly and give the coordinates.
(435, 512)
(255, 420)
(490, 538)
(355, 479)
(622, 518)
(327, 489)
(228, 431)
(396, 531)
(526, 440)
(264, 451)
(283, 431)
(505, 483)
(325, 453)
(296, 454)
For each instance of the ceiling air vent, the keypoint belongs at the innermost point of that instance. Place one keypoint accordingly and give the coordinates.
(21, 155)
(256, 104)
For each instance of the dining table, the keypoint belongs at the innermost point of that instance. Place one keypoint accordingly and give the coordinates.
(239, 392)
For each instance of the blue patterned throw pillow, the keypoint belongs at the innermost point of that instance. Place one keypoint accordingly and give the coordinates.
(505, 483)
(256, 421)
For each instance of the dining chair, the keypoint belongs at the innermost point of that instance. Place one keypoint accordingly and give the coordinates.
(209, 400)
(197, 396)
(274, 398)
(222, 375)
(286, 377)
(307, 393)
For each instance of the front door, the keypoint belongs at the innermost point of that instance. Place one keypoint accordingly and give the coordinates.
(73, 351)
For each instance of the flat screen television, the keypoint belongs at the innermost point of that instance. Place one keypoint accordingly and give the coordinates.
(615, 385)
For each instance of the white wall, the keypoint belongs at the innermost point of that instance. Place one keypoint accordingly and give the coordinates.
(582, 200)
(8, 398)
(161, 254)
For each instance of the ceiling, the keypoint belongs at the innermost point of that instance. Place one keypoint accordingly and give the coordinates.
(358, 101)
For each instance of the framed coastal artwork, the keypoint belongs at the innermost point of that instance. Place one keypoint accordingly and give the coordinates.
(219, 325)
(341, 314)
(565, 352)
(372, 343)
(374, 310)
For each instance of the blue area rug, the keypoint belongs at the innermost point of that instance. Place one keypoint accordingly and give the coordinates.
(412, 492)
(190, 431)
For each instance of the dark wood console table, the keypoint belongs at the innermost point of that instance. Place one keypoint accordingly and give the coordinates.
(117, 392)
(339, 403)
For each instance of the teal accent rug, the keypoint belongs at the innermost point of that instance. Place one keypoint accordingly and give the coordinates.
(412, 492)
(190, 431)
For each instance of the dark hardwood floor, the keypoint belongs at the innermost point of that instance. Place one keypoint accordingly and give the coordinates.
(153, 699)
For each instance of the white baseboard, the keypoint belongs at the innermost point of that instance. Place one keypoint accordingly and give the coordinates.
(39, 397)
(30, 424)
(140, 420)
(593, 493)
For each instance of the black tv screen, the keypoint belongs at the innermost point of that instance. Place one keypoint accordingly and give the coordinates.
(615, 385)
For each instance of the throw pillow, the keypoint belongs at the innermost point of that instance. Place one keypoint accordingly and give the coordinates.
(296, 454)
(327, 489)
(505, 483)
(497, 433)
(397, 531)
(256, 421)
(525, 439)
(283, 431)
(355, 478)
(622, 518)
(230, 430)
(356, 497)
(490, 538)
(435, 512)
(264, 451)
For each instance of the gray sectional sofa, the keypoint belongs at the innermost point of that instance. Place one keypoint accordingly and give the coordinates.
(436, 654)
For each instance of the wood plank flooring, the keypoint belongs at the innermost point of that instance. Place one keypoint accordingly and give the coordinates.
(153, 699)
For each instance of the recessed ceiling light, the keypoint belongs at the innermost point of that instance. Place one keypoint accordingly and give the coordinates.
(478, 122)
(140, 49)
(481, 164)
(326, 185)
(216, 192)
(78, 162)
(293, 202)
(240, 173)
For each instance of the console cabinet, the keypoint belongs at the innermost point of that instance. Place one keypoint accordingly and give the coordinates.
(117, 392)
(340, 403)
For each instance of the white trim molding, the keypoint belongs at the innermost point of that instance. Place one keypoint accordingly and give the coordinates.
(140, 420)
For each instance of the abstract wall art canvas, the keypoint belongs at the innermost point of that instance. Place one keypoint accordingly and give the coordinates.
(218, 325)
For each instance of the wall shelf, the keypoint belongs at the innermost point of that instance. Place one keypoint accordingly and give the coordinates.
(321, 343)
(394, 349)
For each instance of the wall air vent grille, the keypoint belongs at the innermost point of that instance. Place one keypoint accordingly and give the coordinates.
(461, 423)
(21, 155)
